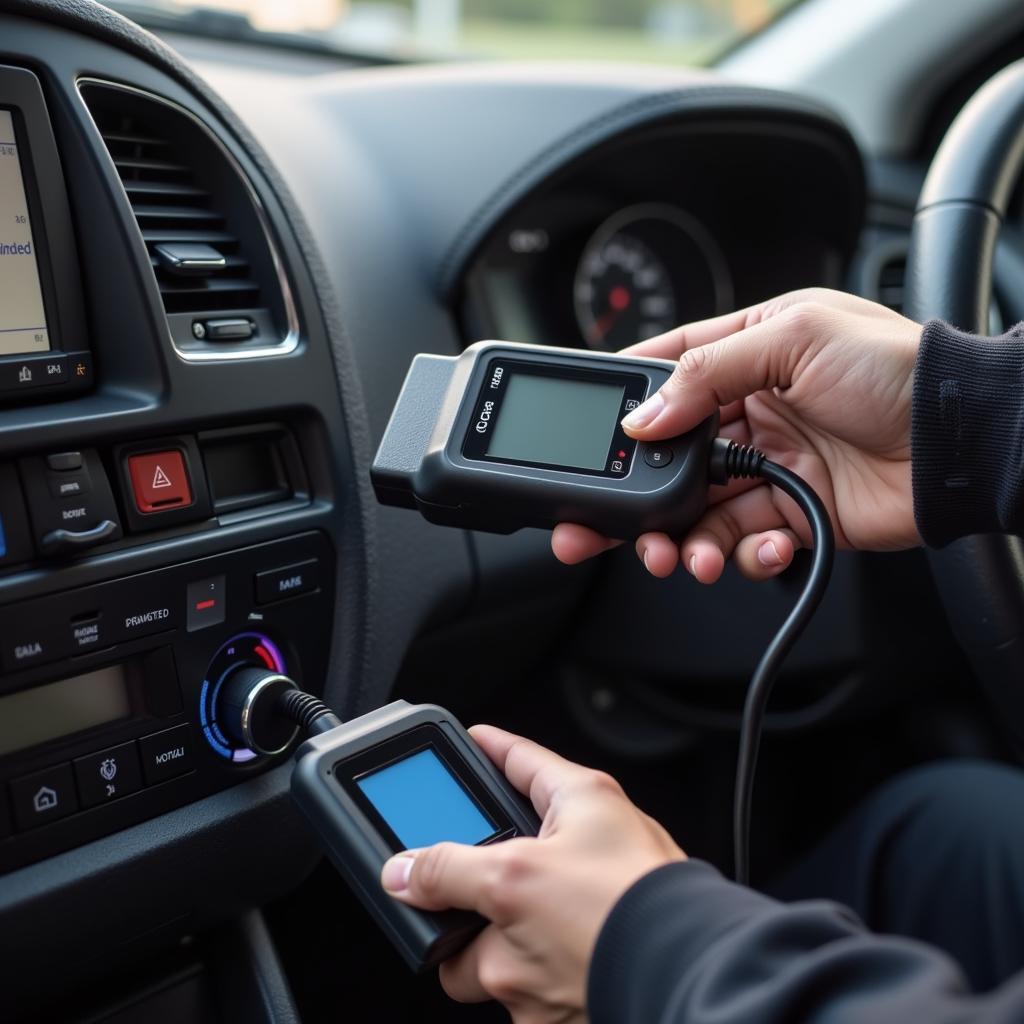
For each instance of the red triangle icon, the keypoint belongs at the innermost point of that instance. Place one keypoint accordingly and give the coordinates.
(160, 479)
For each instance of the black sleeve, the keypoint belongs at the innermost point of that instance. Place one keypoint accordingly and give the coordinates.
(968, 434)
(685, 945)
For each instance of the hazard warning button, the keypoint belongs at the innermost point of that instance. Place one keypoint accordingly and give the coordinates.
(159, 481)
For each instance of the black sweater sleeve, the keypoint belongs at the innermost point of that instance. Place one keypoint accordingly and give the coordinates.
(685, 945)
(968, 434)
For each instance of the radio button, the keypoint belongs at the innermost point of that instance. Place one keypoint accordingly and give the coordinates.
(68, 485)
(87, 633)
(80, 369)
(167, 754)
(44, 796)
(61, 462)
(66, 523)
(288, 581)
(108, 775)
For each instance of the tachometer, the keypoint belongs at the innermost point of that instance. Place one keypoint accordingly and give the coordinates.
(645, 270)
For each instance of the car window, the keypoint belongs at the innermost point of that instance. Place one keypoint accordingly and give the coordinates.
(682, 32)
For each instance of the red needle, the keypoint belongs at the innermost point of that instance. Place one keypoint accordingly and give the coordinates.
(618, 301)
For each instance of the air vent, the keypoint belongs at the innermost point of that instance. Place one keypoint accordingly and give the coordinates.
(204, 235)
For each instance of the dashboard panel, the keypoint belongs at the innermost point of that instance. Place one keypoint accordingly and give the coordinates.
(664, 226)
(198, 497)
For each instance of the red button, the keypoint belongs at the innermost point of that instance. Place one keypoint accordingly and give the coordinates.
(160, 481)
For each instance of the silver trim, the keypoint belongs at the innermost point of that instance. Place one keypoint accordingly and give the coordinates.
(273, 677)
(290, 342)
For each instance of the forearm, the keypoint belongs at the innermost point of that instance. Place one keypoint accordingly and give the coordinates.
(684, 944)
(968, 434)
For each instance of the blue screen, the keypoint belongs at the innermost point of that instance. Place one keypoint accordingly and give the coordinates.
(423, 804)
(3, 539)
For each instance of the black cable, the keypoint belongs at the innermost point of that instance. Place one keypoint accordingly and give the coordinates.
(730, 460)
(310, 713)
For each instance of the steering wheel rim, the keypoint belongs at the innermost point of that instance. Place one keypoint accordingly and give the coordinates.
(950, 268)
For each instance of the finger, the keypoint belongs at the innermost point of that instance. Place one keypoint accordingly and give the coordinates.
(762, 356)
(534, 770)
(659, 553)
(460, 974)
(573, 543)
(672, 344)
(441, 876)
(713, 540)
(760, 556)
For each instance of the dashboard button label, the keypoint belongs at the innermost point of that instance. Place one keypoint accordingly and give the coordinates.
(86, 633)
(27, 648)
(167, 754)
(288, 581)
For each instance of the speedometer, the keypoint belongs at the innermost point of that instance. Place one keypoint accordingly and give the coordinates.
(645, 270)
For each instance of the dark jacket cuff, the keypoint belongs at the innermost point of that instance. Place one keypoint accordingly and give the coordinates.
(664, 923)
(966, 434)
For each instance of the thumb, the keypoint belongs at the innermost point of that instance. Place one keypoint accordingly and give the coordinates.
(708, 377)
(441, 876)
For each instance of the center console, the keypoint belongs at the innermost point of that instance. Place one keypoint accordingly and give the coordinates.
(110, 694)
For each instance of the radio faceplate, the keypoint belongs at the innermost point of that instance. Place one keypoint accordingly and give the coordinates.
(106, 696)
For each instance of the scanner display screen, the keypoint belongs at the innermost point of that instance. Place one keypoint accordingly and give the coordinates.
(423, 803)
(556, 421)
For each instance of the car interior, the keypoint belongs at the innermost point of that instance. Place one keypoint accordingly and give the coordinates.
(221, 247)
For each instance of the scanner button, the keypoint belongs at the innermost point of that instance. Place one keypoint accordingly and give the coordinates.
(658, 456)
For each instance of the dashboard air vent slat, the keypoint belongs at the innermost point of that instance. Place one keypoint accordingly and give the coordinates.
(155, 212)
(184, 191)
(216, 238)
(163, 188)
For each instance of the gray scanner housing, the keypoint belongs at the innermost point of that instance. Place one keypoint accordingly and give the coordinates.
(420, 462)
(358, 850)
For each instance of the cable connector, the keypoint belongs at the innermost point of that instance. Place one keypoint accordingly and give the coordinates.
(730, 460)
(310, 713)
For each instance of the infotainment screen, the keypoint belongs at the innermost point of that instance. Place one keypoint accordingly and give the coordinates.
(22, 315)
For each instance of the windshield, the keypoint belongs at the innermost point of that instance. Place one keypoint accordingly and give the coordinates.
(692, 32)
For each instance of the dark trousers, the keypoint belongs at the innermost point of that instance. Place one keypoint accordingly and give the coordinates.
(938, 855)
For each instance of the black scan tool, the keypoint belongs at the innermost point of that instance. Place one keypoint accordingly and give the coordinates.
(508, 435)
(402, 777)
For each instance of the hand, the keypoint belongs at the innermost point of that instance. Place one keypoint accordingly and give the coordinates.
(546, 898)
(818, 380)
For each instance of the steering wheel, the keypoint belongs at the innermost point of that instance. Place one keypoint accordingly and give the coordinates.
(950, 270)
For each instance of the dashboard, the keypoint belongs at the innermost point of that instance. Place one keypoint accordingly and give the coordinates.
(212, 281)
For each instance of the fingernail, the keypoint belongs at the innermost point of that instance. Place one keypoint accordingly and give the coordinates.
(646, 413)
(396, 872)
(643, 556)
(768, 554)
(693, 566)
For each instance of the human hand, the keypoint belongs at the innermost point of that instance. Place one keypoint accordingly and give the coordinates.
(546, 898)
(821, 382)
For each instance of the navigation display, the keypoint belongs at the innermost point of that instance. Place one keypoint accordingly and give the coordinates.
(22, 316)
